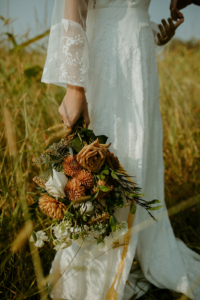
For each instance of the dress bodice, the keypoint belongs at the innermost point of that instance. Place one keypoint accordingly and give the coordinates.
(142, 4)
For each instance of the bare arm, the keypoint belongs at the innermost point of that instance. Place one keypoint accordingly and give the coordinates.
(74, 103)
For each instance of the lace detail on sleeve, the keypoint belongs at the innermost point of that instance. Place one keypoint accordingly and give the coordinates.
(67, 59)
(73, 54)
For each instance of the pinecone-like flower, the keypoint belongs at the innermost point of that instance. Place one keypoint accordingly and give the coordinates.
(74, 189)
(51, 207)
(70, 166)
(112, 161)
(40, 182)
(85, 178)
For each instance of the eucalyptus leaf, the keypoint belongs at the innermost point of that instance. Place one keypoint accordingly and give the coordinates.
(95, 195)
(89, 133)
(156, 208)
(102, 177)
(104, 188)
(102, 139)
(118, 173)
(114, 175)
(154, 201)
(76, 144)
(71, 152)
(105, 172)
(133, 208)
(112, 223)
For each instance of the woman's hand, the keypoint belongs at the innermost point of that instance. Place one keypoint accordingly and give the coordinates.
(73, 106)
(167, 31)
(176, 5)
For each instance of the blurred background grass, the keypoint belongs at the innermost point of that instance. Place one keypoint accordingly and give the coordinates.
(29, 107)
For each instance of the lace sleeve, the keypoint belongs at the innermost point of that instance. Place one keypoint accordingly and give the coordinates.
(67, 54)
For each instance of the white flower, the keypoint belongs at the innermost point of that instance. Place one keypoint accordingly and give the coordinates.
(55, 186)
(62, 244)
(121, 229)
(98, 229)
(86, 227)
(41, 237)
(87, 207)
(61, 231)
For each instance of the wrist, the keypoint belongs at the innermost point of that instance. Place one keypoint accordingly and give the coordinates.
(75, 88)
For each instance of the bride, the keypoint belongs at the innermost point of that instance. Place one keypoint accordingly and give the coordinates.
(104, 51)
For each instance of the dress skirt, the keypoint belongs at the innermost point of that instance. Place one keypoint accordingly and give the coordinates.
(123, 102)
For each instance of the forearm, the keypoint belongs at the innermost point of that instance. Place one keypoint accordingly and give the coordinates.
(75, 88)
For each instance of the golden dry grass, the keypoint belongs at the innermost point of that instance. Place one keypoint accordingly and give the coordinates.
(29, 107)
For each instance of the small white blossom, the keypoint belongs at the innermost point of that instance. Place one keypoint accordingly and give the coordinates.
(86, 227)
(41, 237)
(61, 231)
(55, 186)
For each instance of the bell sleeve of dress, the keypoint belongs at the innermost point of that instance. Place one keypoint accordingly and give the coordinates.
(67, 59)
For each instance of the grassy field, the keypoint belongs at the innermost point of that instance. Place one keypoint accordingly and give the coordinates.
(29, 107)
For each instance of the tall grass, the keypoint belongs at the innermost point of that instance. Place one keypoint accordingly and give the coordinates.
(29, 107)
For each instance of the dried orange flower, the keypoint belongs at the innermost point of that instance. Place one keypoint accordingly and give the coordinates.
(71, 166)
(85, 178)
(52, 207)
(74, 189)
(92, 157)
(112, 161)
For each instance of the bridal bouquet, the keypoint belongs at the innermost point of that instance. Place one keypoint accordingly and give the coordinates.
(81, 190)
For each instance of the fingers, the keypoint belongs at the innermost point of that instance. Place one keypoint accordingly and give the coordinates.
(86, 116)
(176, 15)
(162, 30)
(72, 108)
(160, 40)
(178, 23)
(171, 24)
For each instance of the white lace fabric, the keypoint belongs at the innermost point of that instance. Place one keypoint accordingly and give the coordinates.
(68, 63)
(112, 54)
(67, 59)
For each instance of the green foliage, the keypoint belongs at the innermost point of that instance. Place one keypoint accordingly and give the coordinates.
(112, 223)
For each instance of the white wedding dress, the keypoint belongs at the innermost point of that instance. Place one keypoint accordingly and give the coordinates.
(108, 47)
